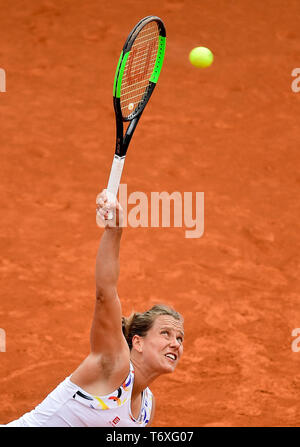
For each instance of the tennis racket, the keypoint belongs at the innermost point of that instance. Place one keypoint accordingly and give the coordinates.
(136, 76)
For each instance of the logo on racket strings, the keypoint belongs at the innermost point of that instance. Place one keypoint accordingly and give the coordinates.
(138, 63)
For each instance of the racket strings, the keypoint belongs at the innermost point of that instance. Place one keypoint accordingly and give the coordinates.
(139, 67)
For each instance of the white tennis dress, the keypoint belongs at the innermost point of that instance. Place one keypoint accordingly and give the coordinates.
(68, 405)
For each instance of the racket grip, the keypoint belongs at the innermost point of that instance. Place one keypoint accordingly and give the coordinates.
(114, 180)
(115, 175)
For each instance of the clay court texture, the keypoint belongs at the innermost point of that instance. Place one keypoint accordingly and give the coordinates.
(230, 131)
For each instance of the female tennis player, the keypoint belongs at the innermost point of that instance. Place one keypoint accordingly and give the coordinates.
(111, 386)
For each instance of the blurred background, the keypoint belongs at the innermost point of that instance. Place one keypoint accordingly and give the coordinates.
(230, 131)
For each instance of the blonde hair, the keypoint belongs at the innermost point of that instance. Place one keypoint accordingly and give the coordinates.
(140, 323)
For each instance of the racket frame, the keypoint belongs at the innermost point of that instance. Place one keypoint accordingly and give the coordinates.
(123, 141)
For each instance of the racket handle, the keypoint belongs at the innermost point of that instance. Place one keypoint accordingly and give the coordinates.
(115, 175)
(114, 180)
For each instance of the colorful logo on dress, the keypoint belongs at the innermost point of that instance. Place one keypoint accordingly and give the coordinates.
(116, 420)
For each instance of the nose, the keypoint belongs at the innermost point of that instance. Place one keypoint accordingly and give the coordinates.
(175, 343)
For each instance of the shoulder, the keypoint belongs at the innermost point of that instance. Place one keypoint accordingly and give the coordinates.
(100, 373)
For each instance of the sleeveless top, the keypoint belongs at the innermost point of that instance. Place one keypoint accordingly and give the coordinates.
(68, 405)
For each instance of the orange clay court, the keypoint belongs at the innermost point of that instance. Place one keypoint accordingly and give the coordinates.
(230, 131)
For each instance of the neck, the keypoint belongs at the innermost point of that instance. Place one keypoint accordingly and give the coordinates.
(143, 375)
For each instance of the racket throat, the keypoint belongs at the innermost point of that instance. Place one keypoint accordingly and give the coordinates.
(129, 132)
(122, 142)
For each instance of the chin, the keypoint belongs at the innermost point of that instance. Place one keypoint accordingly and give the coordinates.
(168, 369)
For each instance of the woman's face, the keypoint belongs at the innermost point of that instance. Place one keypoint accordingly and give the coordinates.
(162, 347)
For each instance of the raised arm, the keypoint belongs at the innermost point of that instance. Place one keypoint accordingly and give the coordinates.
(108, 263)
(106, 333)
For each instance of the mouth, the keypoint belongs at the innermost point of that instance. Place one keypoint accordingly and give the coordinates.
(171, 356)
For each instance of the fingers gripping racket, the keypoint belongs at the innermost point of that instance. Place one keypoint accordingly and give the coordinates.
(136, 76)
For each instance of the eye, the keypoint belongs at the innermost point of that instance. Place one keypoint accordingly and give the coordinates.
(180, 339)
(165, 332)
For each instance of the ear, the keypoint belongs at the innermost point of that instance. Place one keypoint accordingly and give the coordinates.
(137, 343)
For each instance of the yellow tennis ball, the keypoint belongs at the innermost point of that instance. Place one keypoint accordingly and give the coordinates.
(201, 57)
